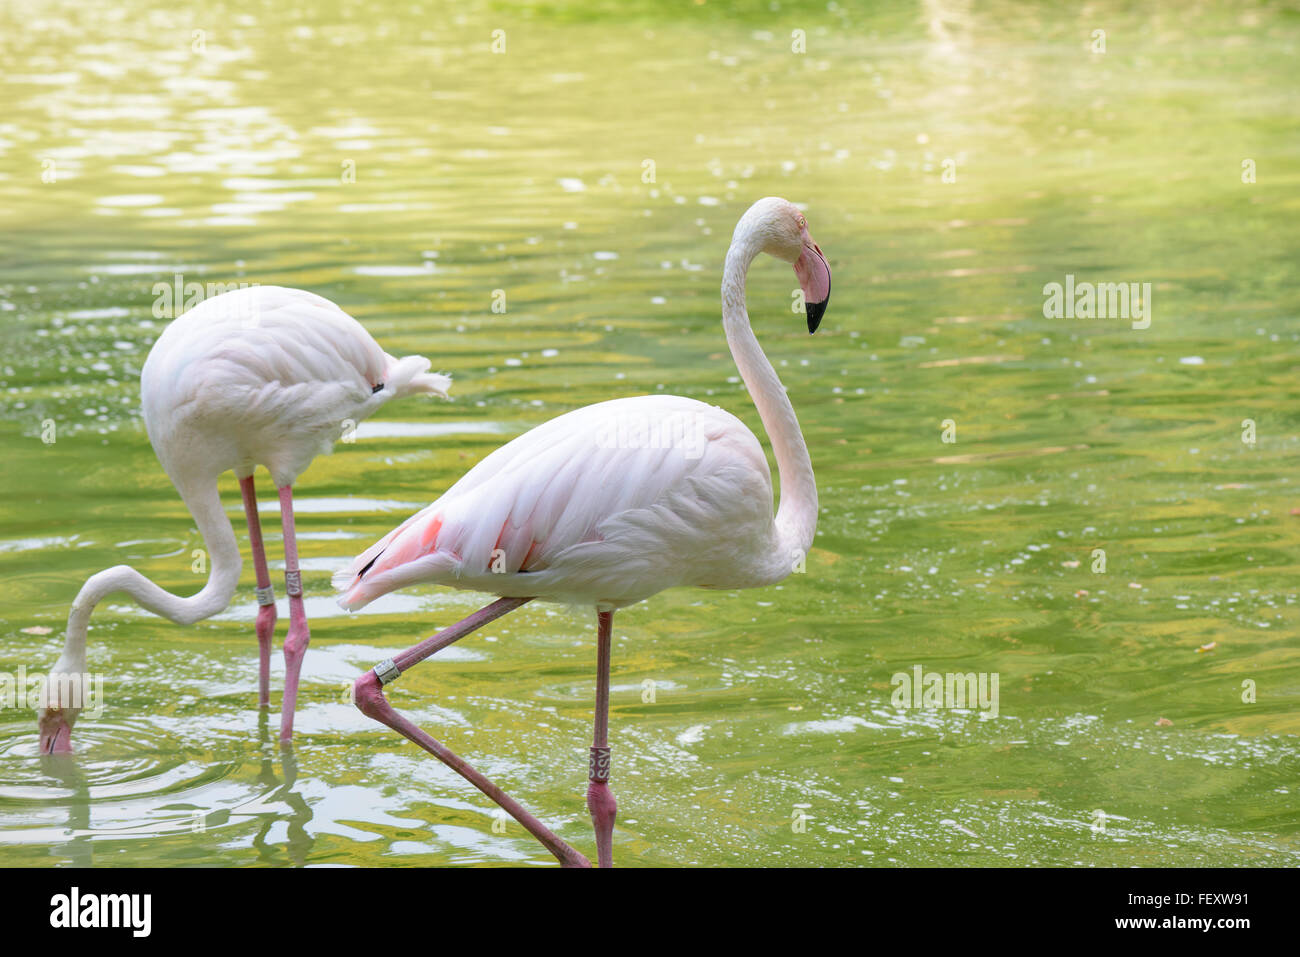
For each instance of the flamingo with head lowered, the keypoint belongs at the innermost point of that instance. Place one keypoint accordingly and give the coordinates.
(609, 504)
(256, 376)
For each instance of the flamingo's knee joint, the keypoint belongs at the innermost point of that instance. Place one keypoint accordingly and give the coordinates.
(296, 642)
(601, 804)
(265, 620)
(368, 695)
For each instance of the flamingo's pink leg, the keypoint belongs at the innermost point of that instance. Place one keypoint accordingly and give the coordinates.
(368, 692)
(600, 801)
(265, 594)
(296, 641)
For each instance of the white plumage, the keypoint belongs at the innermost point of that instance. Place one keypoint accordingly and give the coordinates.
(266, 376)
(258, 376)
(605, 506)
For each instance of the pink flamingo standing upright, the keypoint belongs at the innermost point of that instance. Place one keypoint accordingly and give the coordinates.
(609, 504)
(257, 376)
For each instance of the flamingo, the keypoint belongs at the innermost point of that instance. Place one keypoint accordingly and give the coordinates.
(609, 504)
(256, 376)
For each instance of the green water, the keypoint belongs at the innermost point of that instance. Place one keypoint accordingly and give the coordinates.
(771, 737)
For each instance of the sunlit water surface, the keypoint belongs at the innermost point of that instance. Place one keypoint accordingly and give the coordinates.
(389, 159)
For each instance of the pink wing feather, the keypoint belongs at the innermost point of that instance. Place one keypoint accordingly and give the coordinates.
(554, 488)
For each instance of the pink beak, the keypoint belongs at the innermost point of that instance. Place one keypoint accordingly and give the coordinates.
(814, 279)
(56, 734)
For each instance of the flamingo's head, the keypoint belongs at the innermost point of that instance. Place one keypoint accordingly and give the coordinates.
(62, 698)
(782, 231)
(56, 730)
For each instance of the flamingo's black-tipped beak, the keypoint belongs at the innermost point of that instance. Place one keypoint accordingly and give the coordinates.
(814, 275)
(815, 312)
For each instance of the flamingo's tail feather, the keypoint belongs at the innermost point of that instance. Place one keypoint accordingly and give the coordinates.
(411, 376)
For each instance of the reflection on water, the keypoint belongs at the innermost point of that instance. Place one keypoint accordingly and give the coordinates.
(129, 786)
(548, 223)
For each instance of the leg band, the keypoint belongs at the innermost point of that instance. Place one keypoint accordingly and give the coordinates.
(386, 671)
(598, 766)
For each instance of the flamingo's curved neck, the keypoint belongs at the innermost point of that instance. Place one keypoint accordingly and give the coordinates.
(796, 517)
(222, 558)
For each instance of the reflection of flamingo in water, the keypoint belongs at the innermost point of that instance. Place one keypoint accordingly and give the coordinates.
(258, 376)
(298, 841)
(569, 512)
(277, 802)
(77, 849)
